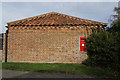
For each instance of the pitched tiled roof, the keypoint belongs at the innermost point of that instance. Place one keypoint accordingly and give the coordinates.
(54, 18)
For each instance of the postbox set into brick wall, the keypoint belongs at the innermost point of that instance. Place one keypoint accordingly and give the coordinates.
(47, 38)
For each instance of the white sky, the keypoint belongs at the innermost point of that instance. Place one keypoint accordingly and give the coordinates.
(59, 0)
(18, 9)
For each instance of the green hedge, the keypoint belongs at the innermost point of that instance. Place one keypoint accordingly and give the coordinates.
(103, 49)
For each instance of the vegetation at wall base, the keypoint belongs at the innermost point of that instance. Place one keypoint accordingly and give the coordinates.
(58, 67)
(103, 51)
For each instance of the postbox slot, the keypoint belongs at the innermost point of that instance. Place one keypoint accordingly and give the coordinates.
(82, 43)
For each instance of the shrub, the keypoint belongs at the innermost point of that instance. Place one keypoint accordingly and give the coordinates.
(103, 50)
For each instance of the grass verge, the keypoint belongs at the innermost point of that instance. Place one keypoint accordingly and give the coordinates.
(57, 67)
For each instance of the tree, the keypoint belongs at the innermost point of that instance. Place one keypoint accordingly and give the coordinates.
(115, 25)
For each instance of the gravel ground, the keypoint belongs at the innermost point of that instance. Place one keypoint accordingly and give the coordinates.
(27, 74)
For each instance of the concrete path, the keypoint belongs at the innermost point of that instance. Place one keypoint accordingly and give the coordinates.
(27, 74)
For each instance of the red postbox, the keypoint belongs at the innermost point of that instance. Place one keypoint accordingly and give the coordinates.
(82, 43)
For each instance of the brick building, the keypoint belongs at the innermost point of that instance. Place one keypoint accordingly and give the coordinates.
(47, 38)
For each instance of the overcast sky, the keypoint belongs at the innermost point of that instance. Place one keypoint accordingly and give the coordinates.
(98, 11)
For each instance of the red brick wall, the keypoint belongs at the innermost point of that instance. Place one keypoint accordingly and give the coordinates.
(44, 45)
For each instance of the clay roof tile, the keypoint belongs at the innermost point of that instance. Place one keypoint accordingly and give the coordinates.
(54, 18)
